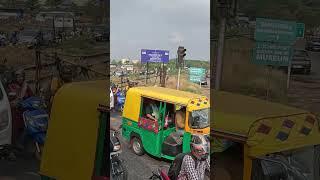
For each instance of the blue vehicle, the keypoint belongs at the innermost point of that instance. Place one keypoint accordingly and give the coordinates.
(35, 119)
(120, 100)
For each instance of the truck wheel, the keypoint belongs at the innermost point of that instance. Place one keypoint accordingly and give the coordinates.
(137, 146)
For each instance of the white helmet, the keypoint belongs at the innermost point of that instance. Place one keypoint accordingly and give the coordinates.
(200, 146)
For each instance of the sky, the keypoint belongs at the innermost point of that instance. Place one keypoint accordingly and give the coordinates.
(159, 24)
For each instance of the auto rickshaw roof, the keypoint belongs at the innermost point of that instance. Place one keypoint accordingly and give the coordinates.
(166, 94)
(70, 148)
(236, 113)
(266, 127)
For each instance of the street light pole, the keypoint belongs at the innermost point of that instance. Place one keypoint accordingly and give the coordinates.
(220, 54)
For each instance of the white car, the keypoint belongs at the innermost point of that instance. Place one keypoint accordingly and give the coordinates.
(5, 118)
(111, 99)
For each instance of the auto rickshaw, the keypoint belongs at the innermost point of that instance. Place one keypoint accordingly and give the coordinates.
(75, 144)
(164, 137)
(257, 140)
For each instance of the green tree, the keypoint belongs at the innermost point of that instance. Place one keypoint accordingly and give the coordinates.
(53, 3)
(33, 5)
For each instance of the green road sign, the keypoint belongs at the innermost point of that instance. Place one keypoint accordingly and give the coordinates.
(267, 53)
(300, 30)
(275, 30)
(196, 74)
(193, 70)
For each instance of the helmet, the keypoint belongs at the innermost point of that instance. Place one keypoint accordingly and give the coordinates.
(200, 146)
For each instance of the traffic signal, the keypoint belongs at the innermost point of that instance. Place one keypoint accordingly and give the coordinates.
(181, 54)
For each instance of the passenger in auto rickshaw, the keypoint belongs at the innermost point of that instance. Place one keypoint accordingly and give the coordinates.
(151, 109)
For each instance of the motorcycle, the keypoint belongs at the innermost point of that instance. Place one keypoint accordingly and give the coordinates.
(160, 174)
(35, 119)
(118, 170)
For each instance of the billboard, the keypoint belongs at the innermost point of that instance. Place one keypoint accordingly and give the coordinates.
(155, 56)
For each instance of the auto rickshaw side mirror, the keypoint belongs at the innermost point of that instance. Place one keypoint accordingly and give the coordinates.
(273, 169)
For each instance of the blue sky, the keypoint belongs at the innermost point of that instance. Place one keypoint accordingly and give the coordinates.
(160, 24)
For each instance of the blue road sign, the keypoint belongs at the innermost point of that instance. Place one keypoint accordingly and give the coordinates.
(157, 56)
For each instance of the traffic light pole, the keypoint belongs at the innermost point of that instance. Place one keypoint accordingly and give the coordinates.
(220, 53)
(178, 84)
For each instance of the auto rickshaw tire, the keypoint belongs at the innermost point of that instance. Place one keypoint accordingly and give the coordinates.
(140, 151)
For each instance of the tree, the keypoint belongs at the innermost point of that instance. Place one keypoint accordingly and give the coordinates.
(33, 5)
(53, 3)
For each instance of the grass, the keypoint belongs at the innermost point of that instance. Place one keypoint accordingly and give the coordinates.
(241, 76)
(82, 45)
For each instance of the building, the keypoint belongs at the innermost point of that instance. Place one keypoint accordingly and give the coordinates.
(62, 20)
(125, 61)
(135, 61)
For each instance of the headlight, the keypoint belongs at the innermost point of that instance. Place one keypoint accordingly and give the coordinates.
(116, 148)
(4, 120)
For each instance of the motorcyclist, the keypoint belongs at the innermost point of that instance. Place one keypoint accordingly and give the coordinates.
(21, 89)
(19, 86)
(195, 164)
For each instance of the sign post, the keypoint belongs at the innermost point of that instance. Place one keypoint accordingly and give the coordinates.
(274, 40)
(153, 56)
(196, 75)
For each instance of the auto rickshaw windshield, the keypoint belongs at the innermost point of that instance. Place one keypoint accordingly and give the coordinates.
(199, 119)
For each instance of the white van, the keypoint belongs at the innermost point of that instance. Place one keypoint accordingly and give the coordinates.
(5, 118)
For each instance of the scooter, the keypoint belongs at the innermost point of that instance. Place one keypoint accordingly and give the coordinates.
(160, 174)
(35, 119)
(118, 170)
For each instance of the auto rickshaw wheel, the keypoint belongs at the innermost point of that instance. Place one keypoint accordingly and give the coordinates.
(137, 146)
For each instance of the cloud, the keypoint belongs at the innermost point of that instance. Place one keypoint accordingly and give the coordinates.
(160, 24)
(176, 38)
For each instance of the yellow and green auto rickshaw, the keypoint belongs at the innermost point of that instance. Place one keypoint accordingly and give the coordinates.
(167, 131)
(75, 142)
(258, 140)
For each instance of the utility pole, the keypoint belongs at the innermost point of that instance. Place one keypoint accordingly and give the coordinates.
(223, 5)
(181, 53)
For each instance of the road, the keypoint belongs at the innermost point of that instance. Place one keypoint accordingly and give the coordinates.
(304, 90)
(21, 169)
(139, 167)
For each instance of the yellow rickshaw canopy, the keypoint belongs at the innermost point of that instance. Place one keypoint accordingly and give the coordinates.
(70, 147)
(133, 99)
(260, 123)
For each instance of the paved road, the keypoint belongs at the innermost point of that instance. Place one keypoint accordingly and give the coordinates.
(139, 167)
(304, 90)
(22, 169)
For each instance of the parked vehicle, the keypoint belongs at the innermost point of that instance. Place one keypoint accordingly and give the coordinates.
(313, 45)
(118, 169)
(28, 37)
(301, 62)
(35, 119)
(5, 118)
